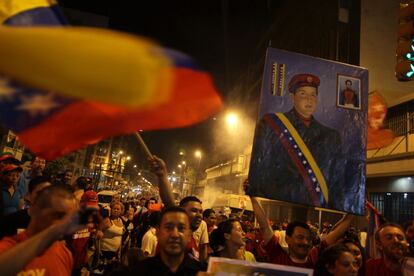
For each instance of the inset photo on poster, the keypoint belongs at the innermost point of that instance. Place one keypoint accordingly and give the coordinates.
(348, 92)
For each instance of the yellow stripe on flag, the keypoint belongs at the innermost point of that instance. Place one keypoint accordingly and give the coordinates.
(9, 8)
(87, 63)
(307, 154)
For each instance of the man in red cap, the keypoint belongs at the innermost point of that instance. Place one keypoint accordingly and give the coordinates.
(7, 158)
(79, 241)
(294, 156)
(11, 196)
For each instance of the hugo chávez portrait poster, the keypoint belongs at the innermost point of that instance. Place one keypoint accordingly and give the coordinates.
(311, 135)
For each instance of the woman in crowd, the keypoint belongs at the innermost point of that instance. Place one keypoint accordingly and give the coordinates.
(337, 260)
(356, 249)
(228, 241)
(110, 234)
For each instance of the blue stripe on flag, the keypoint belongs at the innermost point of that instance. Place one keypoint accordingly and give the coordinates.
(38, 16)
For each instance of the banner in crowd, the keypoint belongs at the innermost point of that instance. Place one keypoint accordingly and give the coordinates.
(231, 267)
(311, 134)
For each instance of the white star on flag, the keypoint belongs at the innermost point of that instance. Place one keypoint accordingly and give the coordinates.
(5, 90)
(37, 104)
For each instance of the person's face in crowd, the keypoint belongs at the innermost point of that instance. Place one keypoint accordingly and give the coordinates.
(195, 212)
(68, 177)
(11, 178)
(305, 100)
(237, 235)
(37, 189)
(392, 243)
(116, 211)
(409, 233)
(131, 212)
(57, 209)
(38, 164)
(142, 203)
(356, 252)
(211, 219)
(345, 265)
(174, 233)
(300, 243)
(220, 219)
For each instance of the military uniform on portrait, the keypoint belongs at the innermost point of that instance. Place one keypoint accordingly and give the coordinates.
(275, 164)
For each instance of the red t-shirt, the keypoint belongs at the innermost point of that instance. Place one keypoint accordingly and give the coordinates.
(56, 260)
(279, 256)
(377, 267)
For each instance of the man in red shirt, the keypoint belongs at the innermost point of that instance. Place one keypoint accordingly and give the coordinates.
(36, 251)
(391, 242)
(299, 239)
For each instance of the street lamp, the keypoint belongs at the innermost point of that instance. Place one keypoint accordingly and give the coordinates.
(232, 119)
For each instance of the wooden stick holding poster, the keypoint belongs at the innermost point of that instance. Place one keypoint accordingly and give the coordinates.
(310, 139)
(227, 267)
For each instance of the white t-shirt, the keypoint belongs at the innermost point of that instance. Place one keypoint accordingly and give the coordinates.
(201, 234)
(149, 242)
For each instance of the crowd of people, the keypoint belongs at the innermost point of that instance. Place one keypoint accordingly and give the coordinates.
(55, 227)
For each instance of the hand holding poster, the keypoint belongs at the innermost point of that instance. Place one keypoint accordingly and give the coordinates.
(310, 139)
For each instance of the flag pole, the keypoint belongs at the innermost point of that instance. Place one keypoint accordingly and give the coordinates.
(143, 145)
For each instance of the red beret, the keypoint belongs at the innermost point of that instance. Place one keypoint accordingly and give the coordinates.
(303, 80)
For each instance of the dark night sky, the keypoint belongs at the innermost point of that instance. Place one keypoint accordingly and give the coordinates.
(229, 39)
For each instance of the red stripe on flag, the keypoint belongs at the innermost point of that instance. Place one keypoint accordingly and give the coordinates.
(81, 123)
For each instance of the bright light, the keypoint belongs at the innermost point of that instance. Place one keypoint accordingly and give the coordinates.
(232, 119)
(120, 152)
(135, 166)
(181, 152)
(173, 172)
(197, 154)
(174, 179)
(183, 162)
(388, 194)
(405, 195)
(179, 166)
(128, 157)
(139, 173)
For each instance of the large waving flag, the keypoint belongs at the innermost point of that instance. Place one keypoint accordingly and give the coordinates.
(113, 87)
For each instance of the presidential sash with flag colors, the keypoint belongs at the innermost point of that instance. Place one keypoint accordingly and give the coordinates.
(301, 156)
(104, 83)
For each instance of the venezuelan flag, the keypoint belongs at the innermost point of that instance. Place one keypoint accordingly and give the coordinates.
(104, 83)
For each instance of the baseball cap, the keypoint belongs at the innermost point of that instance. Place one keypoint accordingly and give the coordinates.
(89, 199)
(6, 155)
(10, 168)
